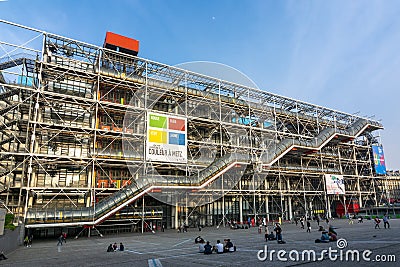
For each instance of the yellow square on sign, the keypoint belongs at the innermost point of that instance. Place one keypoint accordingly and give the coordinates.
(157, 136)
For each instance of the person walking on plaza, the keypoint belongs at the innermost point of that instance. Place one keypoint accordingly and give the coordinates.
(350, 218)
(386, 221)
(377, 222)
(308, 226)
(317, 219)
(60, 240)
(302, 222)
(278, 231)
(30, 240)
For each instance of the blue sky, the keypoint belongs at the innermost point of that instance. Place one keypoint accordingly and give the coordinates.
(340, 54)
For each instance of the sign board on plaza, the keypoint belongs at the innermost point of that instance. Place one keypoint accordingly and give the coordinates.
(166, 138)
(334, 184)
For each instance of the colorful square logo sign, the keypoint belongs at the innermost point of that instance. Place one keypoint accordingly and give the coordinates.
(157, 121)
(166, 138)
(159, 137)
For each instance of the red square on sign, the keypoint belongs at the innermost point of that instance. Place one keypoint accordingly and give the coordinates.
(176, 124)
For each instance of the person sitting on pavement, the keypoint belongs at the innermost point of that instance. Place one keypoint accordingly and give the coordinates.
(324, 238)
(115, 247)
(2, 256)
(121, 247)
(201, 246)
(321, 228)
(332, 237)
(207, 248)
(332, 230)
(110, 248)
(229, 247)
(219, 248)
(199, 239)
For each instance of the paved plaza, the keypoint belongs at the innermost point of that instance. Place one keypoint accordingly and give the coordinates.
(170, 248)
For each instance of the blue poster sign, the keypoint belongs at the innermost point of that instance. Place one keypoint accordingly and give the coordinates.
(379, 159)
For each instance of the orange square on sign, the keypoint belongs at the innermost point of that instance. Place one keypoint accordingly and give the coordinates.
(176, 124)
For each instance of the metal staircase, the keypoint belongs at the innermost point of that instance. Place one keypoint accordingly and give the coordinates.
(27, 60)
(324, 137)
(113, 203)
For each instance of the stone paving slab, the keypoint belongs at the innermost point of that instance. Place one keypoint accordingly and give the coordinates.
(170, 248)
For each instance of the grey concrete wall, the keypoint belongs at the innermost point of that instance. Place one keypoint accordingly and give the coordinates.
(11, 239)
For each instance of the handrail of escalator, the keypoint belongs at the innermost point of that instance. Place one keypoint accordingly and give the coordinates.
(322, 137)
(129, 191)
(218, 165)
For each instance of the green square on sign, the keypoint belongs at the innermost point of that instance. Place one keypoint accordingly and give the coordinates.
(158, 121)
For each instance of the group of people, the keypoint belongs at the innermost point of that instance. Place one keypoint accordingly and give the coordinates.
(385, 222)
(114, 247)
(270, 236)
(183, 228)
(28, 241)
(307, 221)
(219, 248)
(327, 236)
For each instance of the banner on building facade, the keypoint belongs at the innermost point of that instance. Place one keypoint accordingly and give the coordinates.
(166, 138)
(334, 184)
(379, 159)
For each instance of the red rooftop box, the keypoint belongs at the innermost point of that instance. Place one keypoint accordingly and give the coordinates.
(121, 43)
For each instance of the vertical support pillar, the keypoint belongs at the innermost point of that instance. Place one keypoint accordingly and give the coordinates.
(282, 211)
(359, 192)
(254, 203)
(286, 211)
(290, 208)
(186, 212)
(223, 210)
(267, 207)
(240, 208)
(143, 215)
(358, 177)
(290, 215)
(176, 216)
(304, 197)
(328, 205)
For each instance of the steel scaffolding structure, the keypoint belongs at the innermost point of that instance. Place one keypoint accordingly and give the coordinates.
(65, 160)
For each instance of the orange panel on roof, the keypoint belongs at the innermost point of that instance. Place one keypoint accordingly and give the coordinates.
(121, 41)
